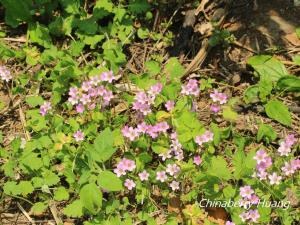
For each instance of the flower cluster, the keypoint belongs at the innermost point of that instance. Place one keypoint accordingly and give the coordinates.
(44, 109)
(191, 88)
(249, 198)
(144, 100)
(172, 170)
(91, 92)
(204, 138)
(5, 73)
(286, 145)
(123, 166)
(175, 148)
(219, 98)
(264, 161)
(143, 128)
(121, 170)
(291, 167)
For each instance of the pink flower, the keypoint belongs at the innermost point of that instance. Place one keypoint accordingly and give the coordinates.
(5, 73)
(162, 127)
(130, 133)
(191, 88)
(107, 76)
(244, 216)
(287, 169)
(95, 80)
(218, 97)
(284, 149)
(155, 89)
(161, 176)
(253, 215)
(254, 199)
(170, 105)
(262, 175)
(295, 164)
(45, 108)
(215, 108)
(129, 184)
(79, 108)
(274, 178)
(229, 223)
(85, 99)
(165, 155)
(197, 160)
(142, 127)
(129, 164)
(119, 171)
(86, 85)
(246, 191)
(172, 169)
(79, 136)
(206, 137)
(73, 92)
(290, 140)
(144, 175)
(261, 156)
(174, 185)
(108, 95)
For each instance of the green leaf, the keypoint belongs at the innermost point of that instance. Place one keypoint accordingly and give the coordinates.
(39, 34)
(109, 181)
(103, 145)
(71, 6)
(251, 94)
(91, 198)
(143, 33)
(174, 69)
(75, 209)
(266, 132)
(102, 8)
(289, 83)
(61, 194)
(218, 168)
(278, 111)
(25, 187)
(34, 101)
(17, 11)
(138, 6)
(298, 32)
(243, 165)
(296, 59)
(39, 207)
(265, 89)
(268, 67)
(50, 178)
(229, 114)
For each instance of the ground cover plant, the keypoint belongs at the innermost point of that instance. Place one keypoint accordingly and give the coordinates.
(144, 112)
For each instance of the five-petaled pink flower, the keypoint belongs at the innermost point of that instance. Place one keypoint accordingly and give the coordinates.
(129, 184)
(197, 160)
(44, 109)
(79, 136)
(174, 185)
(144, 175)
(161, 176)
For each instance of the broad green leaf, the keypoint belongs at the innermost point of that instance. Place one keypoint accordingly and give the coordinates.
(289, 83)
(104, 145)
(39, 34)
(243, 165)
(50, 178)
(17, 11)
(251, 94)
(266, 132)
(25, 187)
(138, 6)
(61, 194)
(34, 101)
(75, 209)
(143, 33)
(38, 208)
(102, 8)
(152, 67)
(91, 198)
(265, 89)
(229, 114)
(298, 32)
(268, 67)
(174, 69)
(278, 111)
(109, 181)
(296, 59)
(218, 168)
